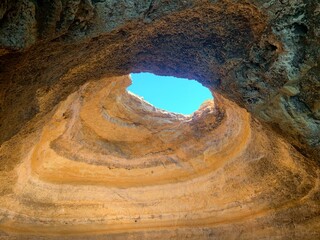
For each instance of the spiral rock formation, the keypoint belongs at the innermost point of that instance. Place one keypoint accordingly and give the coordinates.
(109, 163)
(82, 158)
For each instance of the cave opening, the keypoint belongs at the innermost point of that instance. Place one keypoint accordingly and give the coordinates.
(172, 94)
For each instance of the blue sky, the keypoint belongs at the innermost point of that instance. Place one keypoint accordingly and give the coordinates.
(169, 93)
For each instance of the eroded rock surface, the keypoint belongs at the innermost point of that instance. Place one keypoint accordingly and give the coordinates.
(81, 156)
(107, 163)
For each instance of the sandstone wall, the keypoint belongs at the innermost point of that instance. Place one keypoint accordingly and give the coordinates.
(80, 156)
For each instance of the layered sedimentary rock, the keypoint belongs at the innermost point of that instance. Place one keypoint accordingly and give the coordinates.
(107, 163)
(80, 157)
(262, 55)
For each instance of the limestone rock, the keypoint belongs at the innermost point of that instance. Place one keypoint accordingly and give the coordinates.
(80, 157)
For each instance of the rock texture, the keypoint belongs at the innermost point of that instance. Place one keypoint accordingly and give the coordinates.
(82, 158)
(107, 163)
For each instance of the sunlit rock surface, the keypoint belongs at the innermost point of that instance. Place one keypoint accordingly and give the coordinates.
(81, 158)
(107, 163)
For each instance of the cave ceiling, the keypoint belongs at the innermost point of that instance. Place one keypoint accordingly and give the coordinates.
(80, 157)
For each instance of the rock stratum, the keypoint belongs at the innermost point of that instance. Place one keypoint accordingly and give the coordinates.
(82, 158)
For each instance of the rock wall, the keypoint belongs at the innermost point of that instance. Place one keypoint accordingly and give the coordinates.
(106, 164)
(80, 157)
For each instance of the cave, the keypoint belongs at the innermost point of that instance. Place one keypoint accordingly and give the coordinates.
(82, 158)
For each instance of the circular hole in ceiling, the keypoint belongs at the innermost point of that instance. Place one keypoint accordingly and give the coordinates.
(177, 95)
